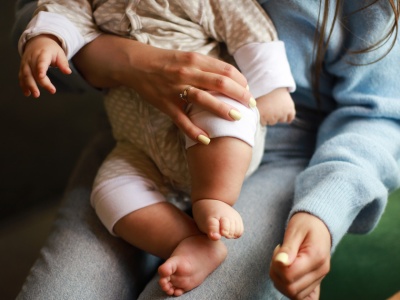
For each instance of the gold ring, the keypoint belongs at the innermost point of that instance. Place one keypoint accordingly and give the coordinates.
(185, 94)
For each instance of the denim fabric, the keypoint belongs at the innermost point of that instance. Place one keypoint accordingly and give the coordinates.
(264, 204)
(81, 260)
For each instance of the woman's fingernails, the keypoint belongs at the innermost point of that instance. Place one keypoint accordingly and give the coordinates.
(234, 114)
(252, 102)
(247, 87)
(203, 139)
(283, 258)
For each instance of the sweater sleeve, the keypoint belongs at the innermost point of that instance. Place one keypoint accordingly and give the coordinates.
(356, 162)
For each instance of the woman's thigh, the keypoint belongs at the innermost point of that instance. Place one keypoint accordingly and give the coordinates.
(264, 205)
(81, 260)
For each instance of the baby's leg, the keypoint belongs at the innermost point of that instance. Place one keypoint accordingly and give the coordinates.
(191, 262)
(167, 232)
(217, 172)
(127, 199)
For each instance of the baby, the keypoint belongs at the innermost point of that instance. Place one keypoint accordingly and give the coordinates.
(152, 160)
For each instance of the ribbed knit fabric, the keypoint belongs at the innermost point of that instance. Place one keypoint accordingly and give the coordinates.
(356, 162)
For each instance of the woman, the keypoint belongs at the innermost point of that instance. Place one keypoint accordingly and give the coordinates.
(329, 172)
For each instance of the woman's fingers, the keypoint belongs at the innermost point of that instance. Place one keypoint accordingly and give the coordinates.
(210, 65)
(159, 76)
(301, 263)
(185, 124)
(222, 84)
(207, 73)
(212, 104)
(303, 287)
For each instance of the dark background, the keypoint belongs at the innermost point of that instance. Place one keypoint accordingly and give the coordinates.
(40, 141)
(40, 138)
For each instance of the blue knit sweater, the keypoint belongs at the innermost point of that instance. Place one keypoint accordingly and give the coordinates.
(356, 162)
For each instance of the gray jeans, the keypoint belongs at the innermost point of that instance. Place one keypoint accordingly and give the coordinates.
(81, 260)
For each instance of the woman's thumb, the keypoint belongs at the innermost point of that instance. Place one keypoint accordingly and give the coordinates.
(282, 257)
(287, 253)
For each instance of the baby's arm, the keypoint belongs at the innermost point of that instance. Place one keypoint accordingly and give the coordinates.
(39, 54)
(59, 29)
(251, 37)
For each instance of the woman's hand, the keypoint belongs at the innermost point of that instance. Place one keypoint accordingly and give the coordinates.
(159, 76)
(303, 260)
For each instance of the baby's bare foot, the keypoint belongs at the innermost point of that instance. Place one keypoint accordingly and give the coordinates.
(216, 219)
(190, 263)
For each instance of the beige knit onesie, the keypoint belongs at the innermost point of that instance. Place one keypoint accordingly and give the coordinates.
(148, 162)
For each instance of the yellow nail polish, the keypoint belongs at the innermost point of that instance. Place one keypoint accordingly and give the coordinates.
(234, 114)
(282, 257)
(203, 139)
(247, 87)
(252, 102)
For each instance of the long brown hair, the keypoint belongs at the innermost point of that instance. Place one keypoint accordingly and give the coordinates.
(323, 36)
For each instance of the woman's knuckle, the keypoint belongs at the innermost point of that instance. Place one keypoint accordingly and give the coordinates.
(182, 72)
(191, 58)
(228, 69)
(220, 82)
(245, 95)
(177, 119)
(193, 94)
(320, 257)
(222, 108)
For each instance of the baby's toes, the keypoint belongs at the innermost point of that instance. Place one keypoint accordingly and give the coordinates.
(214, 229)
(231, 228)
(239, 228)
(227, 227)
(166, 286)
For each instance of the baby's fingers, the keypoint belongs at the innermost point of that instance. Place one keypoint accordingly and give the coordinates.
(27, 82)
(44, 61)
(46, 84)
(62, 63)
(42, 66)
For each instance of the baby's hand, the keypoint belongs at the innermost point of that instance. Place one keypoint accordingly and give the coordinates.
(41, 52)
(276, 107)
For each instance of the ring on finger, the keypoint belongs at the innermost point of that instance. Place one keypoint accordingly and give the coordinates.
(185, 94)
